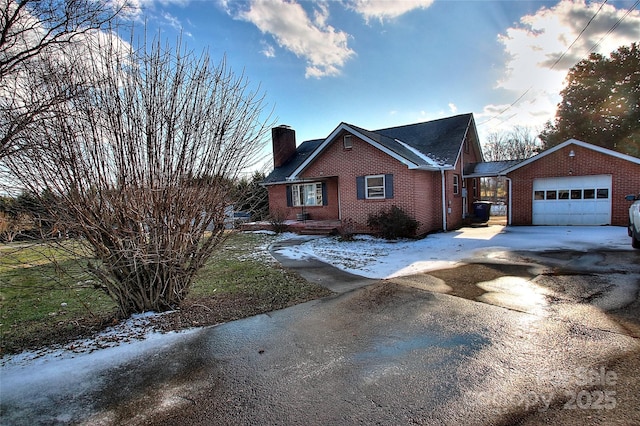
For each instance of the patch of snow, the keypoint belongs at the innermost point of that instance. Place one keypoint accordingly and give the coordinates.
(425, 158)
(377, 258)
(263, 231)
(135, 329)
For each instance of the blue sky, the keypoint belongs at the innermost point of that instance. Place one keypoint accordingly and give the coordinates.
(378, 64)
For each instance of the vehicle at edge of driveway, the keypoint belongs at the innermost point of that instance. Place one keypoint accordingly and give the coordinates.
(634, 220)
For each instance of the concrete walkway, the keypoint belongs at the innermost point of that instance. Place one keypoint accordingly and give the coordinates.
(318, 272)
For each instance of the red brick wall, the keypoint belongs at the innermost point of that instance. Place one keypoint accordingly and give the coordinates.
(417, 192)
(278, 202)
(362, 160)
(625, 179)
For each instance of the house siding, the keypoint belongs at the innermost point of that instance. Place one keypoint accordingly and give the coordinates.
(365, 160)
(278, 202)
(417, 192)
(586, 162)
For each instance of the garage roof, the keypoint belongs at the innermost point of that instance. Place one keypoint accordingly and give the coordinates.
(572, 142)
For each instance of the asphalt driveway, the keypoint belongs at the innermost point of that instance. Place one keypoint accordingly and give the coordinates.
(520, 338)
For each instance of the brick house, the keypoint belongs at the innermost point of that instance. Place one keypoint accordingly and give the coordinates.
(574, 183)
(355, 172)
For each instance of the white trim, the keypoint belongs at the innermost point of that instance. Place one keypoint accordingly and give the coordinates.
(332, 136)
(572, 142)
(297, 186)
(510, 201)
(460, 156)
(366, 187)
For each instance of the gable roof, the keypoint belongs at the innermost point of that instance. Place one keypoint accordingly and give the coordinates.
(280, 174)
(572, 142)
(432, 145)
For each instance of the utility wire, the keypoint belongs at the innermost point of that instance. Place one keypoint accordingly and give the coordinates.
(562, 56)
(595, 46)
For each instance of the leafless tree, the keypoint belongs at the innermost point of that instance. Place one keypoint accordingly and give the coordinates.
(30, 31)
(520, 143)
(143, 162)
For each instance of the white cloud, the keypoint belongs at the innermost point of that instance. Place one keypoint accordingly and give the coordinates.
(384, 9)
(323, 48)
(535, 45)
(268, 50)
(453, 108)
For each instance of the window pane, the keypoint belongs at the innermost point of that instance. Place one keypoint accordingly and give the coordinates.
(576, 194)
(375, 192)
(552, 195)
(589, 194)
(538, 195)
(307, 194)
(295, 195)
(375, 181)
(375, 187)
(603, 193)
(318, 194)
(310, 195)
(563, 194)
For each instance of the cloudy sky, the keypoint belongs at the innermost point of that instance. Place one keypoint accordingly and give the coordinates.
(383, 63)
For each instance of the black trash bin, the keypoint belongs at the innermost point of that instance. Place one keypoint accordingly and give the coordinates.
(482, 211)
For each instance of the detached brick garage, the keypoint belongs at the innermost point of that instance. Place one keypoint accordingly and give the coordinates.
(574, 183)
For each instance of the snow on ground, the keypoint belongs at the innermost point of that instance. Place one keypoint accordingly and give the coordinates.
(377, 258)
(367, 256)
(135, 329)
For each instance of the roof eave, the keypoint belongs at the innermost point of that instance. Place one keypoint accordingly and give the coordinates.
(336, 131)
(567, 143)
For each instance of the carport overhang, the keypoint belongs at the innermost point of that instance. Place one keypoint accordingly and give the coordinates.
(493, 169)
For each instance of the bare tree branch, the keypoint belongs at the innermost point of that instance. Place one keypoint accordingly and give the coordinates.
(33, 33)
(144, 160)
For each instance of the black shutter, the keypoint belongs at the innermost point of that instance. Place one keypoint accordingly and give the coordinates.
(388, 186)
(289, 197)
(324, 194)
(360, 187)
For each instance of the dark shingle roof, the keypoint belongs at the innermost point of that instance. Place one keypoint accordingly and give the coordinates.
(439, 140)
(488, 168)
(303, 151)
(432, 143)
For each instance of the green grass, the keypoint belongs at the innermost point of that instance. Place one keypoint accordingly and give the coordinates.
(44, 292)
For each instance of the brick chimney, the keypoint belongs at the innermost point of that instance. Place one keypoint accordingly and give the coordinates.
(283, 139)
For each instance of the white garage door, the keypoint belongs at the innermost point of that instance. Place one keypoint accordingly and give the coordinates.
(573, 200)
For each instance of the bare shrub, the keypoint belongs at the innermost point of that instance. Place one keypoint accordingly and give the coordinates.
(143, 161)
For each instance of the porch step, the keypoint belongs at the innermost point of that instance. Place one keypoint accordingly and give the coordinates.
(315, 227)
(308, 227)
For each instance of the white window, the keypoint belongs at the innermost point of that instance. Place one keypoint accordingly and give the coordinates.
(307, 194)
(347, 142)
(374, 186)
(456, 184)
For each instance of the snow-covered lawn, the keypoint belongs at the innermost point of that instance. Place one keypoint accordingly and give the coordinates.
(376, 258)
(367, 256)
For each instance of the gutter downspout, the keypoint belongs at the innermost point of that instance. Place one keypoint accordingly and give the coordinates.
(510, 201)
(444, 203)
